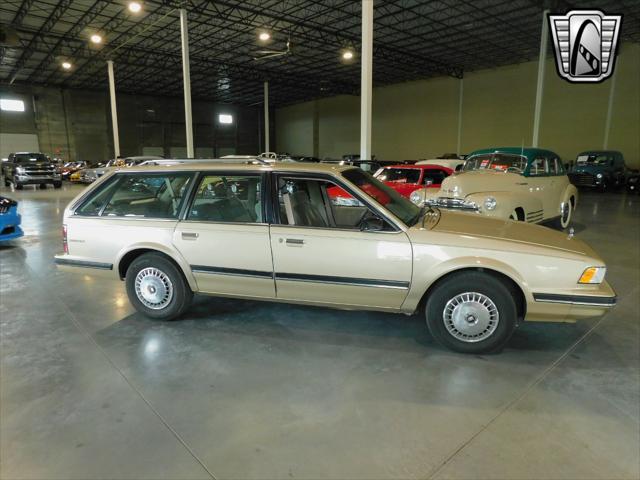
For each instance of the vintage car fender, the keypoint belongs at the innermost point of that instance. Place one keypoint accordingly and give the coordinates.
(506, 204)
(570, 191)
(424, 279)
(170, 252)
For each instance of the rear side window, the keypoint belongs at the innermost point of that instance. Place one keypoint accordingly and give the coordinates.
(148, 196)
(92, 206)
(228, 199)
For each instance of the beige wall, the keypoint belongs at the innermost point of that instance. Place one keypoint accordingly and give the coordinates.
(420, 119)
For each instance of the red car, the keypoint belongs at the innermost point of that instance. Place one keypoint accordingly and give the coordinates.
(404, 179)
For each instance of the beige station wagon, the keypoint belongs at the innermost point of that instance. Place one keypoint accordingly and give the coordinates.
(524, 184)
(272, 232)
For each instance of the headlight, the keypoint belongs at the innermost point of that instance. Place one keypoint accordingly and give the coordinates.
(599, 175)
(490, 203)
(20, 170)
(593, 275)
(416, 197)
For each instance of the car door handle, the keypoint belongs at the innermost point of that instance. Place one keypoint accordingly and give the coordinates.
(189, 235)
(295, 241)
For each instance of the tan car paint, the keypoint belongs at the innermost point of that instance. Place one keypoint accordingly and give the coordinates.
(533, 195)
(537, 259)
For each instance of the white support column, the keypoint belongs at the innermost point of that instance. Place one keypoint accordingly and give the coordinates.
(266, 116)
(366, 76)
(607, 125)
(459, 147)
(186, 80)
(542, 60)
(114, 111)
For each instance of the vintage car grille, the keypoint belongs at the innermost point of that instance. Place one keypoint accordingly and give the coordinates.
(452, 203)
(582, 179)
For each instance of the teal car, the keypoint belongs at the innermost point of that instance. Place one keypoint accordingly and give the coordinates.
(601, 169)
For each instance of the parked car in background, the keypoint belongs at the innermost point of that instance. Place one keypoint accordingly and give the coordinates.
(633, 181)
(90, 175)
(70, 168)
(10, 220)
(25, 168)
(524, 184)
(602, 169)
(405, 179)
(454, 164)
(270, 232)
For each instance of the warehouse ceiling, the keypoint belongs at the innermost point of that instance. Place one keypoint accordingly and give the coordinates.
(412, 39)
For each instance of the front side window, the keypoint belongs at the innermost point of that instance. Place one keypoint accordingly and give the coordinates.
(228, 198)
(539, 167)
(502, 162)
(148, 196)
(434, 177)
(400, 206)
(321, 203)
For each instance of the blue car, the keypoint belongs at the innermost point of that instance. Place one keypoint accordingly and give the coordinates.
(9, 220)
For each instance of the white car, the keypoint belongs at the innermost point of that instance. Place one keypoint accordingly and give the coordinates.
(454, 164)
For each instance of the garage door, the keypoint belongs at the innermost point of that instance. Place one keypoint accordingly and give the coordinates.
(18, 142)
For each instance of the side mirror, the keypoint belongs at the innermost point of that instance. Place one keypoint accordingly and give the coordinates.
(372, 224)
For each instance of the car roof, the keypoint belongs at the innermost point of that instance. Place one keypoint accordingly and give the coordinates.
(528, 152)
(422, 166)
(235, 166)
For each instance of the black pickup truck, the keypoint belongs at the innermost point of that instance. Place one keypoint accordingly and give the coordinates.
(25, 168)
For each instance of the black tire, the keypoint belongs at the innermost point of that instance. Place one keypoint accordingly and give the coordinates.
(17, 185)
(43, 186)
(6, 182)
(494, 336)
(181, 293)
(57, 184)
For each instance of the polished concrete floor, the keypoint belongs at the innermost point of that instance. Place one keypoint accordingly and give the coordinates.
(244, 390)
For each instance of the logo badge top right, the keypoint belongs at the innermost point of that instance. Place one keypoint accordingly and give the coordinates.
(585, 43)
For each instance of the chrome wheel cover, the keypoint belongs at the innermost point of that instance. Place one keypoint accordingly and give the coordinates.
(471, 317)
(153, 288)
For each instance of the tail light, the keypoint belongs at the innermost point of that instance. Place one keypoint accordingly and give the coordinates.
(65, 244)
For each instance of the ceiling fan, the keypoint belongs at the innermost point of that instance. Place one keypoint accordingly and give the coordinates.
(268, 53)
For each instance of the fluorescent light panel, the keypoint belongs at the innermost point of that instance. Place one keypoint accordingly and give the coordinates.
(225, 118)
(11, 105)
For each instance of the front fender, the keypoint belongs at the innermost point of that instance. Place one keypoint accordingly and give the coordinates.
(506, 203)
(569, 192)
(423, 279)
(420, 195)
(170, 252)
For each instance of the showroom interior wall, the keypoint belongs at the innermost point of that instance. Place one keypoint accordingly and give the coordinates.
(75, 124)
(420, 119)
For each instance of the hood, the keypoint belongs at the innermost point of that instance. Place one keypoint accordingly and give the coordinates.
(508, 235)
(590, 168)
(462, 184)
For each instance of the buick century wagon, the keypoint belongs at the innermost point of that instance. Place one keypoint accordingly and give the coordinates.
(272, 232)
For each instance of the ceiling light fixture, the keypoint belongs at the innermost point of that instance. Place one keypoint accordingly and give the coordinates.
(264, 36)
(347, 55)
(95, 38)
(66, 65)
(134, 7)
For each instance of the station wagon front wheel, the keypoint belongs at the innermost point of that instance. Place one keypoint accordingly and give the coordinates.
(157, 288)
(471, 312)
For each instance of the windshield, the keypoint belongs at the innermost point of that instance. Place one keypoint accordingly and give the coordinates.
(593, 159)
(400, 175)
(384, 195)
(501, 162)
(30, 157)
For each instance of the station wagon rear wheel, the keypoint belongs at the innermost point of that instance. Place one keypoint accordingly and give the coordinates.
(471, 312)
(157, 288)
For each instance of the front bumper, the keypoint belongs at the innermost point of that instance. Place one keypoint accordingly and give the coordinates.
(571, 305)
(10, 226)
(449, 203)
(37, 179)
